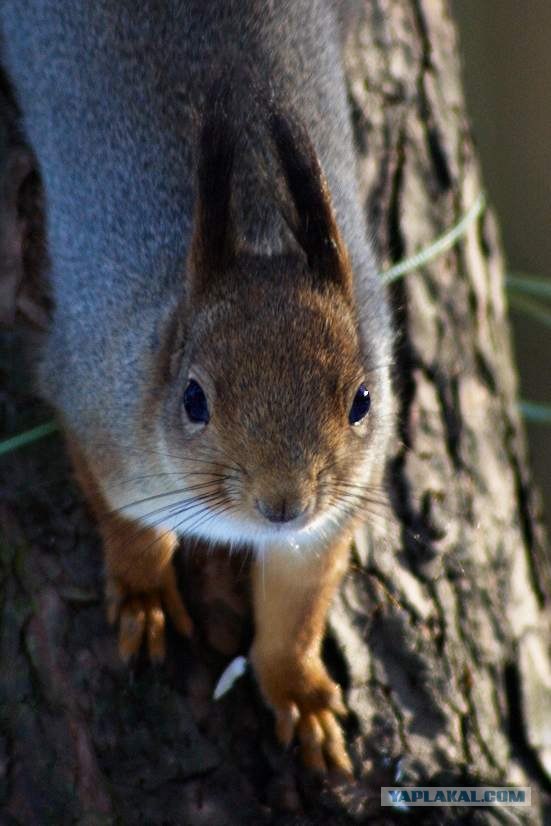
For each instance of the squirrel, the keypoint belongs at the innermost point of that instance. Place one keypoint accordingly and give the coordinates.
(220, 344)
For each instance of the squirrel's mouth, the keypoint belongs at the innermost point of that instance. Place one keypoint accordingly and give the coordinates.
(249, 528)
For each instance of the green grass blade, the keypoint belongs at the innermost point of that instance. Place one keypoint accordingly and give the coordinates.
(27, 437)
(517, 282)
(530, 308)
(440, 245)
(535, 412)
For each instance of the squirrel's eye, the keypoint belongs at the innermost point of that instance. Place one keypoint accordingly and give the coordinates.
(360, 405)
(195, 403)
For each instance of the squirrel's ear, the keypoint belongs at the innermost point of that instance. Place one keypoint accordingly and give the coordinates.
(213, 243)
(314, 225)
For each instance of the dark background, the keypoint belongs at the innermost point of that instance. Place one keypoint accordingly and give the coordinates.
(506, 51)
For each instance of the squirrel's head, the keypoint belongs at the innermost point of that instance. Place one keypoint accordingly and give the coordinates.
(273, 421)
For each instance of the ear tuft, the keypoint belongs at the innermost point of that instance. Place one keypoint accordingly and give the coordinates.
(309, 214)
(213, 242)
(315, 226)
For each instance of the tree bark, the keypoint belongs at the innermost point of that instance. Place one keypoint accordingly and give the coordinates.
(439, 635)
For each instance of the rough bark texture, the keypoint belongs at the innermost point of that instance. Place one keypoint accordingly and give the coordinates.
(440, 632)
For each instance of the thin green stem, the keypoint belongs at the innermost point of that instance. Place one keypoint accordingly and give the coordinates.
(26, 438)
(535, 412)
(529, 285)
(442, 244)
(530, 308)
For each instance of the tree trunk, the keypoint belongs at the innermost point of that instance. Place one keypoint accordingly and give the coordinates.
(440, 632)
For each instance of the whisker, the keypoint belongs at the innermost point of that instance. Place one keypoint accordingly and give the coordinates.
(360, 495)
(182, 474)
(210, 513)
(166, 512)
(386, 521)
(176, 507)
(148, 450)
(156, 496)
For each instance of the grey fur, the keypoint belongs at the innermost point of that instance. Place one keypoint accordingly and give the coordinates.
(110, 92)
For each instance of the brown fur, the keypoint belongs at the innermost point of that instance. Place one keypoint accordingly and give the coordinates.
(278, 432)
(140, 578)
(259, 285)
(291, 600)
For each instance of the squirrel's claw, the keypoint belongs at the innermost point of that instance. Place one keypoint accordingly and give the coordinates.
(321, 740)
(155, 629)
(174, 604)
(142, 616)
(333, 743)
(287, 718)
(132, 624)
(306, 703)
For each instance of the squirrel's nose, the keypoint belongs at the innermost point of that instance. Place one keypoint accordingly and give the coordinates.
(280, 511)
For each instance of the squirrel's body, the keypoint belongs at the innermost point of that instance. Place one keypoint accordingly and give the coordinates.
(112, 96)
(109, 93)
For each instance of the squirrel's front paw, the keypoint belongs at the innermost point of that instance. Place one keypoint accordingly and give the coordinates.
(141, 615)
(305, 702)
